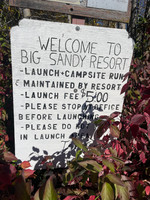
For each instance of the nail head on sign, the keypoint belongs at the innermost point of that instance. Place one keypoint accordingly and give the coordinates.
(77, 28)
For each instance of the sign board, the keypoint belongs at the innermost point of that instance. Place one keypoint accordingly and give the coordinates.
(67, 1)
(64, 77)
(113, 10)
(118, 5)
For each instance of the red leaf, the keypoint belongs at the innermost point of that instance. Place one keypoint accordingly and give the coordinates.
(115, 114)
(49, 164)
(147, 108)
(143, 130)
(147, 190)
(148, 129)
(137, 119)
(146, 91)
(119, 149)
(13, 169)
(104, 117)
(142, 157)
(102, 128)
(126, 75)
(5, 178)
(134, 130)
(92, 197)
(107, 152)
(25, 164)
(27, 172)
(6, 138)
(88, 184)
(143, 140)
(147, 118)
(9, 157)
(125, 87)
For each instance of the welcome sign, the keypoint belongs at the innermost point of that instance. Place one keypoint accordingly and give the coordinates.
(64, 77)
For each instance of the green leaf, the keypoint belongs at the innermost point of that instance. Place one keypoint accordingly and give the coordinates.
(73, 165)
(114, 131)
(107, 192)
(78, 154)
(95, 151)
(109, 164)
(81, 173)
(141, 191)
(67, 177)
(79, 144)
(126, 168)
(122, 192)
(113, 151)
(115, 179)
(20, 189)
(117, 159)
(91, 165)
(50, 192)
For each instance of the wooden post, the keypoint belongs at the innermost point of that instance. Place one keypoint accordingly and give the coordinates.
(122, 25)
(79, 21)
(76, 20)
(26, 13)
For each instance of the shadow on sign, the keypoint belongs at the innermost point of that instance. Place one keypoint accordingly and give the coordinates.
(85, 134)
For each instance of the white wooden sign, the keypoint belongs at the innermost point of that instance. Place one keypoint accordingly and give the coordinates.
(64, 77)
(118, 5)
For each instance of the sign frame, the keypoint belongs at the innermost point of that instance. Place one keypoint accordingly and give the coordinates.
(72, 9)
